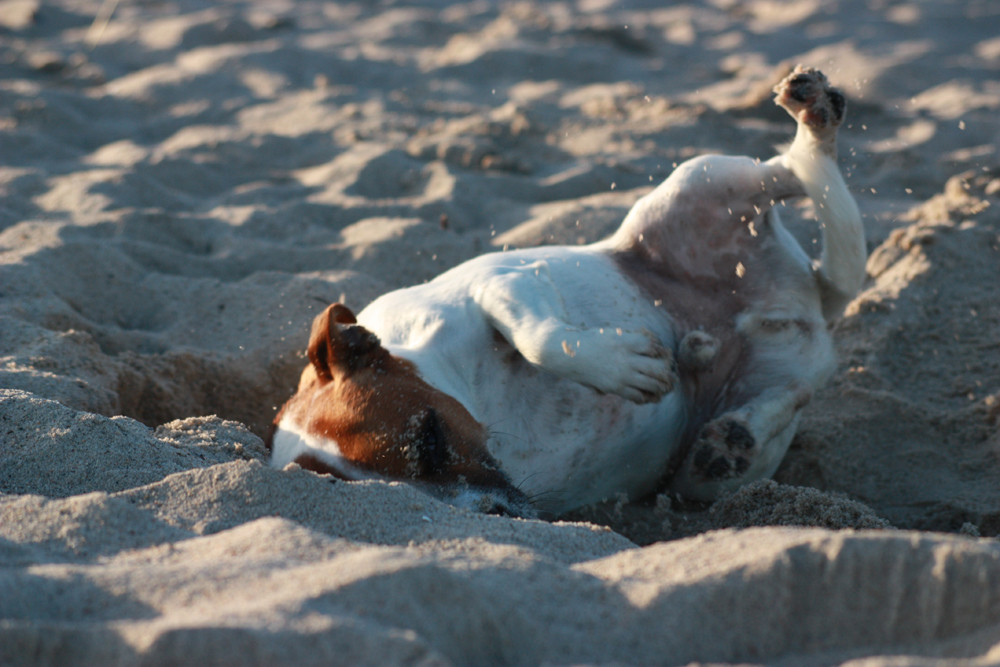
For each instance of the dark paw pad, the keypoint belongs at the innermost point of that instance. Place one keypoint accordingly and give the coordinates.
(838, 103)
(723, 450)
(718, 468)
(801, 88)
(712, 465)
(702, 458)
(810, 98)
(738, 436)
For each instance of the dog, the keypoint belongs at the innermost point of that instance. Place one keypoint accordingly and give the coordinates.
(674, 355)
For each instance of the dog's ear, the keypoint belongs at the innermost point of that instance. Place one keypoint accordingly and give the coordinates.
(337, 342)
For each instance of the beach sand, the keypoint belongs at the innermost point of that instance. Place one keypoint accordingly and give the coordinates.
(183, 187)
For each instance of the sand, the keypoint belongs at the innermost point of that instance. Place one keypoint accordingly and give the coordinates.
(183, 186)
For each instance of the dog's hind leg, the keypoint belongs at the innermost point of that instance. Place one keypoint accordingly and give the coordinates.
(819, 109)
(525, 307)
(688, 218)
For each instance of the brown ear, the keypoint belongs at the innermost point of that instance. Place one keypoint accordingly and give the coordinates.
(338, 343)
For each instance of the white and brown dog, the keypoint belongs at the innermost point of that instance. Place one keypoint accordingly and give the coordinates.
(675, 354)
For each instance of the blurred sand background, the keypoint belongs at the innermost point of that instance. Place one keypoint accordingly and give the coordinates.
(184, 185)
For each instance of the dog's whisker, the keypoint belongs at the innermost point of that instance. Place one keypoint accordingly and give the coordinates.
(524, 480)
(492, 433)
(539, 498)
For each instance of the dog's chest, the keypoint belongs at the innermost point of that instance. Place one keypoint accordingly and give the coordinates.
(553, 435)
(549, 433)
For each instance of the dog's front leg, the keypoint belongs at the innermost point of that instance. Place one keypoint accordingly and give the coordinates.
(524, 305)
(742, 444)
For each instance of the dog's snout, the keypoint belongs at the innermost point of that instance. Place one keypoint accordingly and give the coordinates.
(500, 509)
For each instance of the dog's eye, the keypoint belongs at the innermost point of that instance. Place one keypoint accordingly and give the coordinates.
(430, 443)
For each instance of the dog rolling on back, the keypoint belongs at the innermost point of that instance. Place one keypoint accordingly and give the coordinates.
(676, 354)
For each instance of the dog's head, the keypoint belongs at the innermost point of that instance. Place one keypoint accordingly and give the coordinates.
(378, 417)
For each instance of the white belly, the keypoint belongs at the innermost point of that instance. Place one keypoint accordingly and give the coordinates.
(561, 442)
(572, 446)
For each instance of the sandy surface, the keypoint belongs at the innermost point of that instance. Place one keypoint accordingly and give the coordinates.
(183, 186)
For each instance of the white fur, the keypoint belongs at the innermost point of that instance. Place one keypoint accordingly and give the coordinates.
(291, 441)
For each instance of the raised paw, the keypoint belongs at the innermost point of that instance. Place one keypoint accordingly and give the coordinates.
(630, 364)
(651, 369)
(811, 100)
(723, 450)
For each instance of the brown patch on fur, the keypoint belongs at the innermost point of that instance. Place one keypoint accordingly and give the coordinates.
(380, 412)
